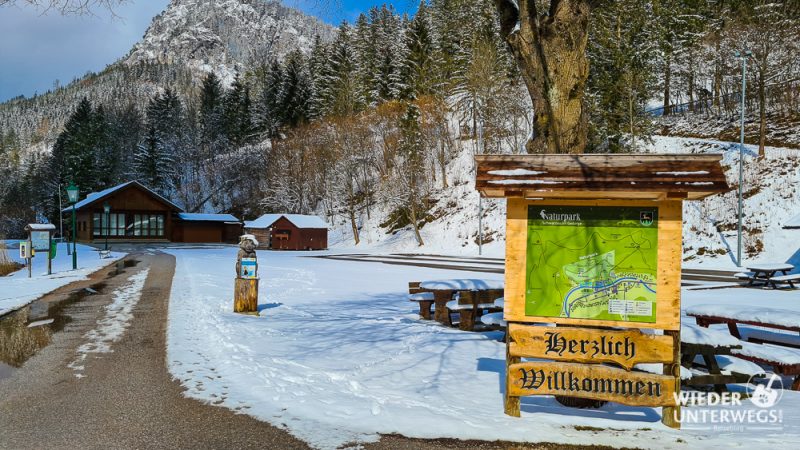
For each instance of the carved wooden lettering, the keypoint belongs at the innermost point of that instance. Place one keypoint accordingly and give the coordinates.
(596, 382)
(589, 345)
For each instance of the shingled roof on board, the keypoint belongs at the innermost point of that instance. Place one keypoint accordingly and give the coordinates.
(632, 176)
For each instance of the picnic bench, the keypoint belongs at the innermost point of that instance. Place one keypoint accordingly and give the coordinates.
(765, 274)
(469, 298)
(768, 336)
(712, 350)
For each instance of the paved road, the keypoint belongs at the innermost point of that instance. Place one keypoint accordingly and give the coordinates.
(691, 278)
(127, 398)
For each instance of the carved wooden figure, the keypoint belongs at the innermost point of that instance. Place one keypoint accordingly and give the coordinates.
(246, 287)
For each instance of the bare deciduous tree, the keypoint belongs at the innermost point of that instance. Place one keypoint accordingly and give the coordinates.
(68, 7)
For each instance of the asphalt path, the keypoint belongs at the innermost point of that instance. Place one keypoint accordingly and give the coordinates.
(126, 398)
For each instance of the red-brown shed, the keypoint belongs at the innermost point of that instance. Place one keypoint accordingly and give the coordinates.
(289, 232)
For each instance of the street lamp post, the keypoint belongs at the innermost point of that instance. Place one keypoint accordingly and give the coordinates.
(72, 194)
(107, 210)
(743, 56)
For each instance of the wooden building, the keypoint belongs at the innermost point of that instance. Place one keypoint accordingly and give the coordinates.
(289, 232)
(138, 214)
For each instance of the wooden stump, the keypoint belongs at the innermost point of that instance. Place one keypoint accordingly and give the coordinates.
(245, 298)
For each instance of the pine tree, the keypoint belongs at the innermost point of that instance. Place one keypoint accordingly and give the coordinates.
(268, 117)
(622, 50)
(74, 153)
(212, 130)
(152, 163)
(237, 114)
(295, 90)
(318, 76)
(419, 69)
(339, 93)
(412, 169)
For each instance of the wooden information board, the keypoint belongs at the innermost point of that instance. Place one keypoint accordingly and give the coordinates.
(594, 242)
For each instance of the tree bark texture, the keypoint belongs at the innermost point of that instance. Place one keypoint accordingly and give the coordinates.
(550, 49)
(245, 298)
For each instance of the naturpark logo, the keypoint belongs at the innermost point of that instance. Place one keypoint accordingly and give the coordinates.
(560, 217)
(732, 411)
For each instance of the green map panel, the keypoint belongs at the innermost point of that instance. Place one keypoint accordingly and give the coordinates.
(587, 262)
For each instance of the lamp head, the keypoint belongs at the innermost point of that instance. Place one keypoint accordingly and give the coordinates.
(106, 208)
(72, 193)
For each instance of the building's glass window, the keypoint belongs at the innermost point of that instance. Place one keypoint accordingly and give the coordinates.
(112, 224)
(148, 225)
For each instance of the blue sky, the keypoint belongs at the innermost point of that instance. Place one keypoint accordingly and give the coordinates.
(36, 50)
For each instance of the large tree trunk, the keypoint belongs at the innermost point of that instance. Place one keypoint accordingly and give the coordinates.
(550, 48)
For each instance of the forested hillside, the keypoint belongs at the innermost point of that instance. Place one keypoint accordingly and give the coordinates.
(375, 117)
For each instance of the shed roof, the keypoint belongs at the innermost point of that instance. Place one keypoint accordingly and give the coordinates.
(299, 220)
(197, 217)
(40, 226)
(632, 176)
(94, 197)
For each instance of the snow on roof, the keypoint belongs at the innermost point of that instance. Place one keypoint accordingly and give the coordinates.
(40, 226)
(794, 222)
(194, 217)
(95, 196)
(299, 220)
(462, 284)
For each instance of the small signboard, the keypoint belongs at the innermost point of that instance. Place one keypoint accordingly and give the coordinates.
(591, 381)
(24, 250)
(249, 268)
(589, 345)
(40, 240)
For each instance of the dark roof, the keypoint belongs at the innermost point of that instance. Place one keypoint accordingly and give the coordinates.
(632, 176)
(95, 197)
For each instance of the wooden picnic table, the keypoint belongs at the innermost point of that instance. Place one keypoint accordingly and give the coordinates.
(766, 272)
(443, 291)
(764, 347)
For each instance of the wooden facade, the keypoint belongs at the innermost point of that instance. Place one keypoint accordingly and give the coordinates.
(289, 232)
(285, 235)
(138, 214)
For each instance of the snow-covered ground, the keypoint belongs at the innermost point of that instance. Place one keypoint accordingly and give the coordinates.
(338, 355)
(771, 191)
(115, 321)
(17, 290)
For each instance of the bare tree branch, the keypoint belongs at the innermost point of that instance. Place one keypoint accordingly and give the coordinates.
(68, 7)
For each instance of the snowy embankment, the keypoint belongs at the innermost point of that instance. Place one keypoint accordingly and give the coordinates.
(771, 199)
(339, 355)
(17, 290)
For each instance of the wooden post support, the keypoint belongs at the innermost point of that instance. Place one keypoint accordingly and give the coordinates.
(670, 415)
(246, 296)
(511, 402)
